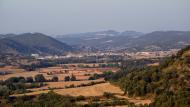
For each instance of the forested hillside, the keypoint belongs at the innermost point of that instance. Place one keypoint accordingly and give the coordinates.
(168, 84)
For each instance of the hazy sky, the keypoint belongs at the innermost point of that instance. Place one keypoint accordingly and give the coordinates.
(56, 17)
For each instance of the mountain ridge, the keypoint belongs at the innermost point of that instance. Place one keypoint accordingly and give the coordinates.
(130, 40)
(28, 43)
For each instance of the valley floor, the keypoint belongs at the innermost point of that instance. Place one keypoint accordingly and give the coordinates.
(97, 90)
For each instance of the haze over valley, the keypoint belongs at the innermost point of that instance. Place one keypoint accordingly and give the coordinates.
(94, 53)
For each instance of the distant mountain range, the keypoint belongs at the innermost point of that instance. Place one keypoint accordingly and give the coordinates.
(128, 40)
(162, 40)
(29, 43)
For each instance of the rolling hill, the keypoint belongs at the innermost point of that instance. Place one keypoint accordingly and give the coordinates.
(102, 40)
(162, 40)
(28, 43)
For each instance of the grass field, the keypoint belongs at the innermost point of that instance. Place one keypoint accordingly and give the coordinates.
(92, 91)
(60, 72)
(95, 90)
(64, 84)
(82, 74)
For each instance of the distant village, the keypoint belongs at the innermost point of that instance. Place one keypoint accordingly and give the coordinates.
(129, 55)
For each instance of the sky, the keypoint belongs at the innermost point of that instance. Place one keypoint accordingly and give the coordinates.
(57, 17)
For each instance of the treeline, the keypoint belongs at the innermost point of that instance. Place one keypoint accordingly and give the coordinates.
(70, 78)
(51, 63)
(90, 59)
(84, 85)
(106, 75)
(41, 64)
(52, 99)
(15, 85)
(129, 66)
(103, 65)
(43, 100)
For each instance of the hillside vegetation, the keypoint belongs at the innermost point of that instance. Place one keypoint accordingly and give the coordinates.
(168, 84)
(28, 43)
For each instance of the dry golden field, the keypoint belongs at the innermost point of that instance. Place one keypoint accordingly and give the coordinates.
(94, 90)
(11, 69)
(82, 74)
(63, 84)
(59, 71)
(90, 91)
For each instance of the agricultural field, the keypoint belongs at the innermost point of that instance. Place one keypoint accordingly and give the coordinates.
(82, 86)
(97, 90)
(81, 71)
(61, 85)
(87, 91)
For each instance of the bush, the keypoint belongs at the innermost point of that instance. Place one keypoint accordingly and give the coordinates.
(80, 98)
(73, 78)
(91, 78)
(108, 95)
(95, 76)
(29, 79)
(40, 78)
(15, 80)
(4, 91)
(67, 78)
(55, 79)
(70, 86)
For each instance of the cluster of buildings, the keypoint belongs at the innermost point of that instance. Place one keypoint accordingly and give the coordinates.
(132, 55)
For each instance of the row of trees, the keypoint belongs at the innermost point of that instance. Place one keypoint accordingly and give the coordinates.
(52, 99)
(43, 100)
(89, 59)
(103, 65)
(106, 75)
(20, 84)
(41, 64)
(37, 78)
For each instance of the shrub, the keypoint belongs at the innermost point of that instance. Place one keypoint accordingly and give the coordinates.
(40, 78)
(73, 78)
(108, 95)
(80, 98)
(55, 79)
(29, 79)
(67, 78)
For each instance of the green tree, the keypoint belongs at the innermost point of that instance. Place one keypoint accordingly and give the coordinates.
(29, 79)
(55, 79)
(4, 91)
(39, 78)
(67, 78)
(73, 78)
